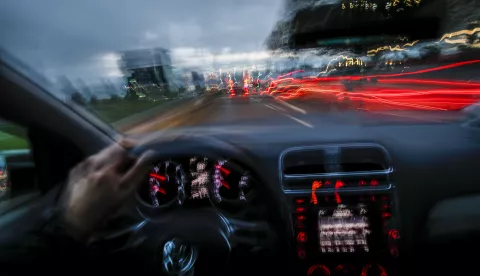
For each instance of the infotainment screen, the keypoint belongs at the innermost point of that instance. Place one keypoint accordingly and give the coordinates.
(344, 229)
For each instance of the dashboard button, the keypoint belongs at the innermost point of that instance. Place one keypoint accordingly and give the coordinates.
(302, 237)
(301, 201)
(394, 234)
(394, 251)
(300, 209)
(301, 253)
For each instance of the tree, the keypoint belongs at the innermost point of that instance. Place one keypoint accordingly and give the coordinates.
(84, 88)
(114, 97)
(131, 95)
(93, 100)
(78, 98)
(66, 86)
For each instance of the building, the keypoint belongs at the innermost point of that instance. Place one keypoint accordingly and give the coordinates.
(148, 67)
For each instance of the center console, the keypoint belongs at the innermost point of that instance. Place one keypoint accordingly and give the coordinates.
(343, 210)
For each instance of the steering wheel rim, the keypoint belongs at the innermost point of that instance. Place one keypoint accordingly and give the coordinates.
(203, 227)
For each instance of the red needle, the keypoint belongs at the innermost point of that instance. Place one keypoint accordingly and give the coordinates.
(223, 170)
(157, 176)
(159, 190)
(225, 184)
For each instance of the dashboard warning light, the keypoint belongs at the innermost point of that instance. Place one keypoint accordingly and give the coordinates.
(302, 237)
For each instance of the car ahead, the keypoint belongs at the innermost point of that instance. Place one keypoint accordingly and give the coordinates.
(239, 93)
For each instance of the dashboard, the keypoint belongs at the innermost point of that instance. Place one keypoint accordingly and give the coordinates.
(196, 181)
(351, 201)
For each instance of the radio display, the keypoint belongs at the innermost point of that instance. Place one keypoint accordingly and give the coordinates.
(344, 229)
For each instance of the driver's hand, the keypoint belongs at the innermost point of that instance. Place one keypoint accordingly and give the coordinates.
(99, 187)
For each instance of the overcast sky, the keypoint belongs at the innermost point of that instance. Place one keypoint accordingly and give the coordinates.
(81, 38)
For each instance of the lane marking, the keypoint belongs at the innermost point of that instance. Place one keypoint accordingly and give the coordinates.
(274, 107)
(198, 102)
(271, 107)
(299, 121)
(296, 108)
(290, 116)
(278, 107)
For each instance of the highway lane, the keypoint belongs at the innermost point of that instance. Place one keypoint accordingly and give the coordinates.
(239, 111)
(307, 113)
(267, 112)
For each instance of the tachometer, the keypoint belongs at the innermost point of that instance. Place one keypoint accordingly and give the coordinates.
(165, 184)
(230, 182)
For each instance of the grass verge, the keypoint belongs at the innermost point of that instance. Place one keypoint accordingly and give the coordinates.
(115, 111)
(12, 137)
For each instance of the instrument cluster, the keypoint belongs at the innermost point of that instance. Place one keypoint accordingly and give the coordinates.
(196, 181)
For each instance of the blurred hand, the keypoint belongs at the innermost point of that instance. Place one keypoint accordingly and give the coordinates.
(100, 186)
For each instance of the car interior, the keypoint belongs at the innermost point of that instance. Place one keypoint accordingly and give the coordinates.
(409, 194)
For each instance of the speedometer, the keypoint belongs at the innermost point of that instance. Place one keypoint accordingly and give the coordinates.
(165, 180)
(230, 182)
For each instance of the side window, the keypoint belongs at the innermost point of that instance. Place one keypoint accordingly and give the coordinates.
(17, 169)
(12, 137)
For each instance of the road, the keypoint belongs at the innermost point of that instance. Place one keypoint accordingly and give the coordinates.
(420, 94)
(309, 114)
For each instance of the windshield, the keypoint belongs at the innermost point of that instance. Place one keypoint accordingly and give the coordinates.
(147, 65)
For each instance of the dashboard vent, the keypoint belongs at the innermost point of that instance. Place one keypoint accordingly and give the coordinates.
(334, 159)
(335, 167)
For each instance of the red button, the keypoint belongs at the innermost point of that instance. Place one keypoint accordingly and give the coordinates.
(386, 215)
(302, 237)
(301, 253)
(299, 224)
(394, 234)
(394, 251)
(300, 209)
(385, 207)
(301, 218)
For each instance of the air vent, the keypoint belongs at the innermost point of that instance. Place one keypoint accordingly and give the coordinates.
(336, 167)
(337, 159)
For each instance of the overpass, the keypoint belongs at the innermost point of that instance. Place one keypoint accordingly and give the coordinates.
(353, 26)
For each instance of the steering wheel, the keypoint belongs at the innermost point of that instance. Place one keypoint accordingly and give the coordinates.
(202, 227)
